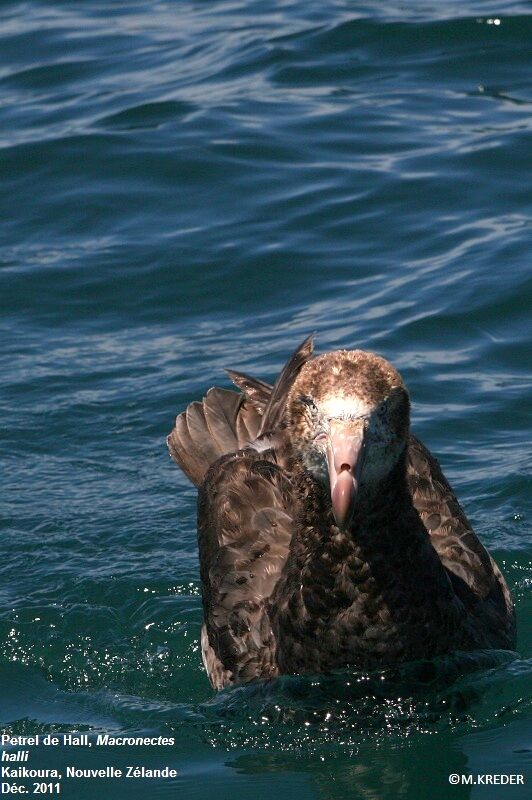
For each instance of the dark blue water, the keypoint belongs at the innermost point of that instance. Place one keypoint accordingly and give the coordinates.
(193, 185)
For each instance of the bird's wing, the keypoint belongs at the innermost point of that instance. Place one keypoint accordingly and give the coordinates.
(275, 408)
(475, 576)
(223, 422)
(257, 392)
(270, 401)
(244, 531)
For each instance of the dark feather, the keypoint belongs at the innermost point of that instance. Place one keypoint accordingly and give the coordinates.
(184, 451)
(224, 422)
(200, 434)
(475, 576)
(244, 532)
(274, 411)
(247, 425)
(258, 392)
(221, 409)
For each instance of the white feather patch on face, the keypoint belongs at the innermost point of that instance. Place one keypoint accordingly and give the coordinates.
(342, 407)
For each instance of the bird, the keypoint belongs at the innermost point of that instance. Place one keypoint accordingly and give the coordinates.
(328, 536)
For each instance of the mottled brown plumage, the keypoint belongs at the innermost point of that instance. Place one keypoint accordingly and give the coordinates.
(328, 535)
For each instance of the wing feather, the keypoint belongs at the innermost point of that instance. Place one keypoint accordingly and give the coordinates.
(199, 432)
(274, 411)
(244, 530)
(247, 426)
(223, 423)
(258, 392)
(184, 451)
(475, 577)
(221, 409)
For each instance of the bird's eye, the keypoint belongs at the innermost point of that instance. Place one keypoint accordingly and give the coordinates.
(308, 402)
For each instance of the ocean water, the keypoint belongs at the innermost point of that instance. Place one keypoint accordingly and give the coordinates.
(193, 185)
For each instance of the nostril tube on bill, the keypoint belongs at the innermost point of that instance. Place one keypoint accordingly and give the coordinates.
(345, 467)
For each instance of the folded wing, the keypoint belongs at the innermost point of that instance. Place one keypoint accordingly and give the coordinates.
(244, 533)
(476, 578)
(244, 517)
(226, 421)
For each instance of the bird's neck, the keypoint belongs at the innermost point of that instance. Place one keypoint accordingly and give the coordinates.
(386, 536)
(383, 505)
(386, 506)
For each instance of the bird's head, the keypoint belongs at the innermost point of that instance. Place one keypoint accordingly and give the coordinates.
(348, 421)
